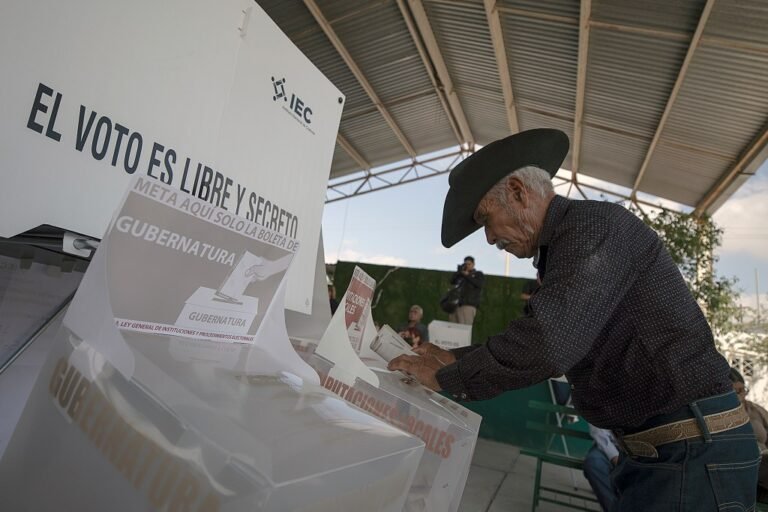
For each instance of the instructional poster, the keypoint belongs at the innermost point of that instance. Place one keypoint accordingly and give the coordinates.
(184, 267)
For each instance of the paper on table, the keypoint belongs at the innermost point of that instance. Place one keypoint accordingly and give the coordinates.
(367, 355)
(388, 344)
(336, 347)
(350, 325)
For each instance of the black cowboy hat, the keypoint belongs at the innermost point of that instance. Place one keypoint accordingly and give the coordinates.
(475, 176)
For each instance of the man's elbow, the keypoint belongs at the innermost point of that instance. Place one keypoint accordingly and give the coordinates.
(555, 365)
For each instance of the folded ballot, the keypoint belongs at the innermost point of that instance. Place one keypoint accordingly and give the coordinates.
(389, 345)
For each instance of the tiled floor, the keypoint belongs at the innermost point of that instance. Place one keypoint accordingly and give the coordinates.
(501, 480)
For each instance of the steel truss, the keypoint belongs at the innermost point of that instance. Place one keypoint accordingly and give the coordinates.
(365, 182)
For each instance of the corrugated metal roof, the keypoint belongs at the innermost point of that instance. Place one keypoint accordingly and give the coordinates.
(461, 30)
(717, 117)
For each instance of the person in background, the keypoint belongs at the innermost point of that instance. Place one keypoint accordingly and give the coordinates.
(332, 298)
(758, 418)
(414, 332)
(598, 464)
(470, 282)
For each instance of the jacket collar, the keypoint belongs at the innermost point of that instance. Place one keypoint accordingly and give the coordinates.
(555, 212)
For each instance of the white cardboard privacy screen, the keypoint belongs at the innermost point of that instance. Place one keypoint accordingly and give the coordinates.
(208, 96)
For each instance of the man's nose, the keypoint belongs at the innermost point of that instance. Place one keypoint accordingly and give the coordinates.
(490, 236)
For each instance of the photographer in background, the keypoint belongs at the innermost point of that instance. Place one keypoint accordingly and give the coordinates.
(414, 332)
(470, 283)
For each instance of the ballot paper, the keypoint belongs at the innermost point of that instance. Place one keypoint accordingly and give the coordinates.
(388, 344)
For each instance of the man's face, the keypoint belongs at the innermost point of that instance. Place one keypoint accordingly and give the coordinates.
(469, 265)
(414, 315)
(508, 226)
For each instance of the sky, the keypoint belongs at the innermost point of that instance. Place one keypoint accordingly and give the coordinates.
(401, 226)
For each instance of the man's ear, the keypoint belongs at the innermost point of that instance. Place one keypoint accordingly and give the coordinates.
(517, 192)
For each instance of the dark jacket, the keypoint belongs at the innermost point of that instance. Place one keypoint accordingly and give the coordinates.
(470, 286)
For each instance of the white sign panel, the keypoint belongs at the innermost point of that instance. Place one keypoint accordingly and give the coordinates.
(207, 97)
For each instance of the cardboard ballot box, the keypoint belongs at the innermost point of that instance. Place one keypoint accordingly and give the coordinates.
(449, 335)
(194, 430)
(448, 430)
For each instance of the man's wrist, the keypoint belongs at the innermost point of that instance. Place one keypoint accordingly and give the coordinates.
(449, 379)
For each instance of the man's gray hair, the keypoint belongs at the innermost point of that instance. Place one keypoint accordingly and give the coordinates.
(535, 178)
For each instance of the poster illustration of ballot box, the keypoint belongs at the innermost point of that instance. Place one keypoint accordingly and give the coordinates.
(217, 282)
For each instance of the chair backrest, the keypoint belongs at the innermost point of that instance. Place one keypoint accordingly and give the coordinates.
(555, 429)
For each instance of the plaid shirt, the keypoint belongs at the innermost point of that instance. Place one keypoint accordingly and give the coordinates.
(613, 314)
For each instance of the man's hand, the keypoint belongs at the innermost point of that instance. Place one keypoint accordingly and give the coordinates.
(445, 357)
(423, 368)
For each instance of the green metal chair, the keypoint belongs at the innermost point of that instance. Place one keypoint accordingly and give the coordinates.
(559, 459)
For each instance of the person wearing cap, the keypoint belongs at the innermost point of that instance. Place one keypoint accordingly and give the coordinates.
(469, 281)
(614, 315)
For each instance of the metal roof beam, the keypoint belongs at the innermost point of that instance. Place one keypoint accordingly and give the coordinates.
(754, 149)
(351, 151)
(392, 177)
(673, 95)
(502, 64)
(336, 42)
(433, 49)
(430, 69)
(581, 86)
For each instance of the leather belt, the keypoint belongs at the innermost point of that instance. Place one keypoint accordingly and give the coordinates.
(643, 444)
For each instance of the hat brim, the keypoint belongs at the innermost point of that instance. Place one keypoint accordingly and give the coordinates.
(476, 175)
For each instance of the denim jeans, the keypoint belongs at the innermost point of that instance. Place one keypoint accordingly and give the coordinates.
(597, 469)
(714, 472)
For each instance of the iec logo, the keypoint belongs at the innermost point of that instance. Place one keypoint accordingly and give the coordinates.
(279, 89)
(297, 107)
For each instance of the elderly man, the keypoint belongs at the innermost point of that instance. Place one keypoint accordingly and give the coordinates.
(614, 315)
(414, 332)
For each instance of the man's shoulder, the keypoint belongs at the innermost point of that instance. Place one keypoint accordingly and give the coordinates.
(591, 208)
(599, 215)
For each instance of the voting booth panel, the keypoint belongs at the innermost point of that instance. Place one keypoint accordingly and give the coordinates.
(209, 97)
